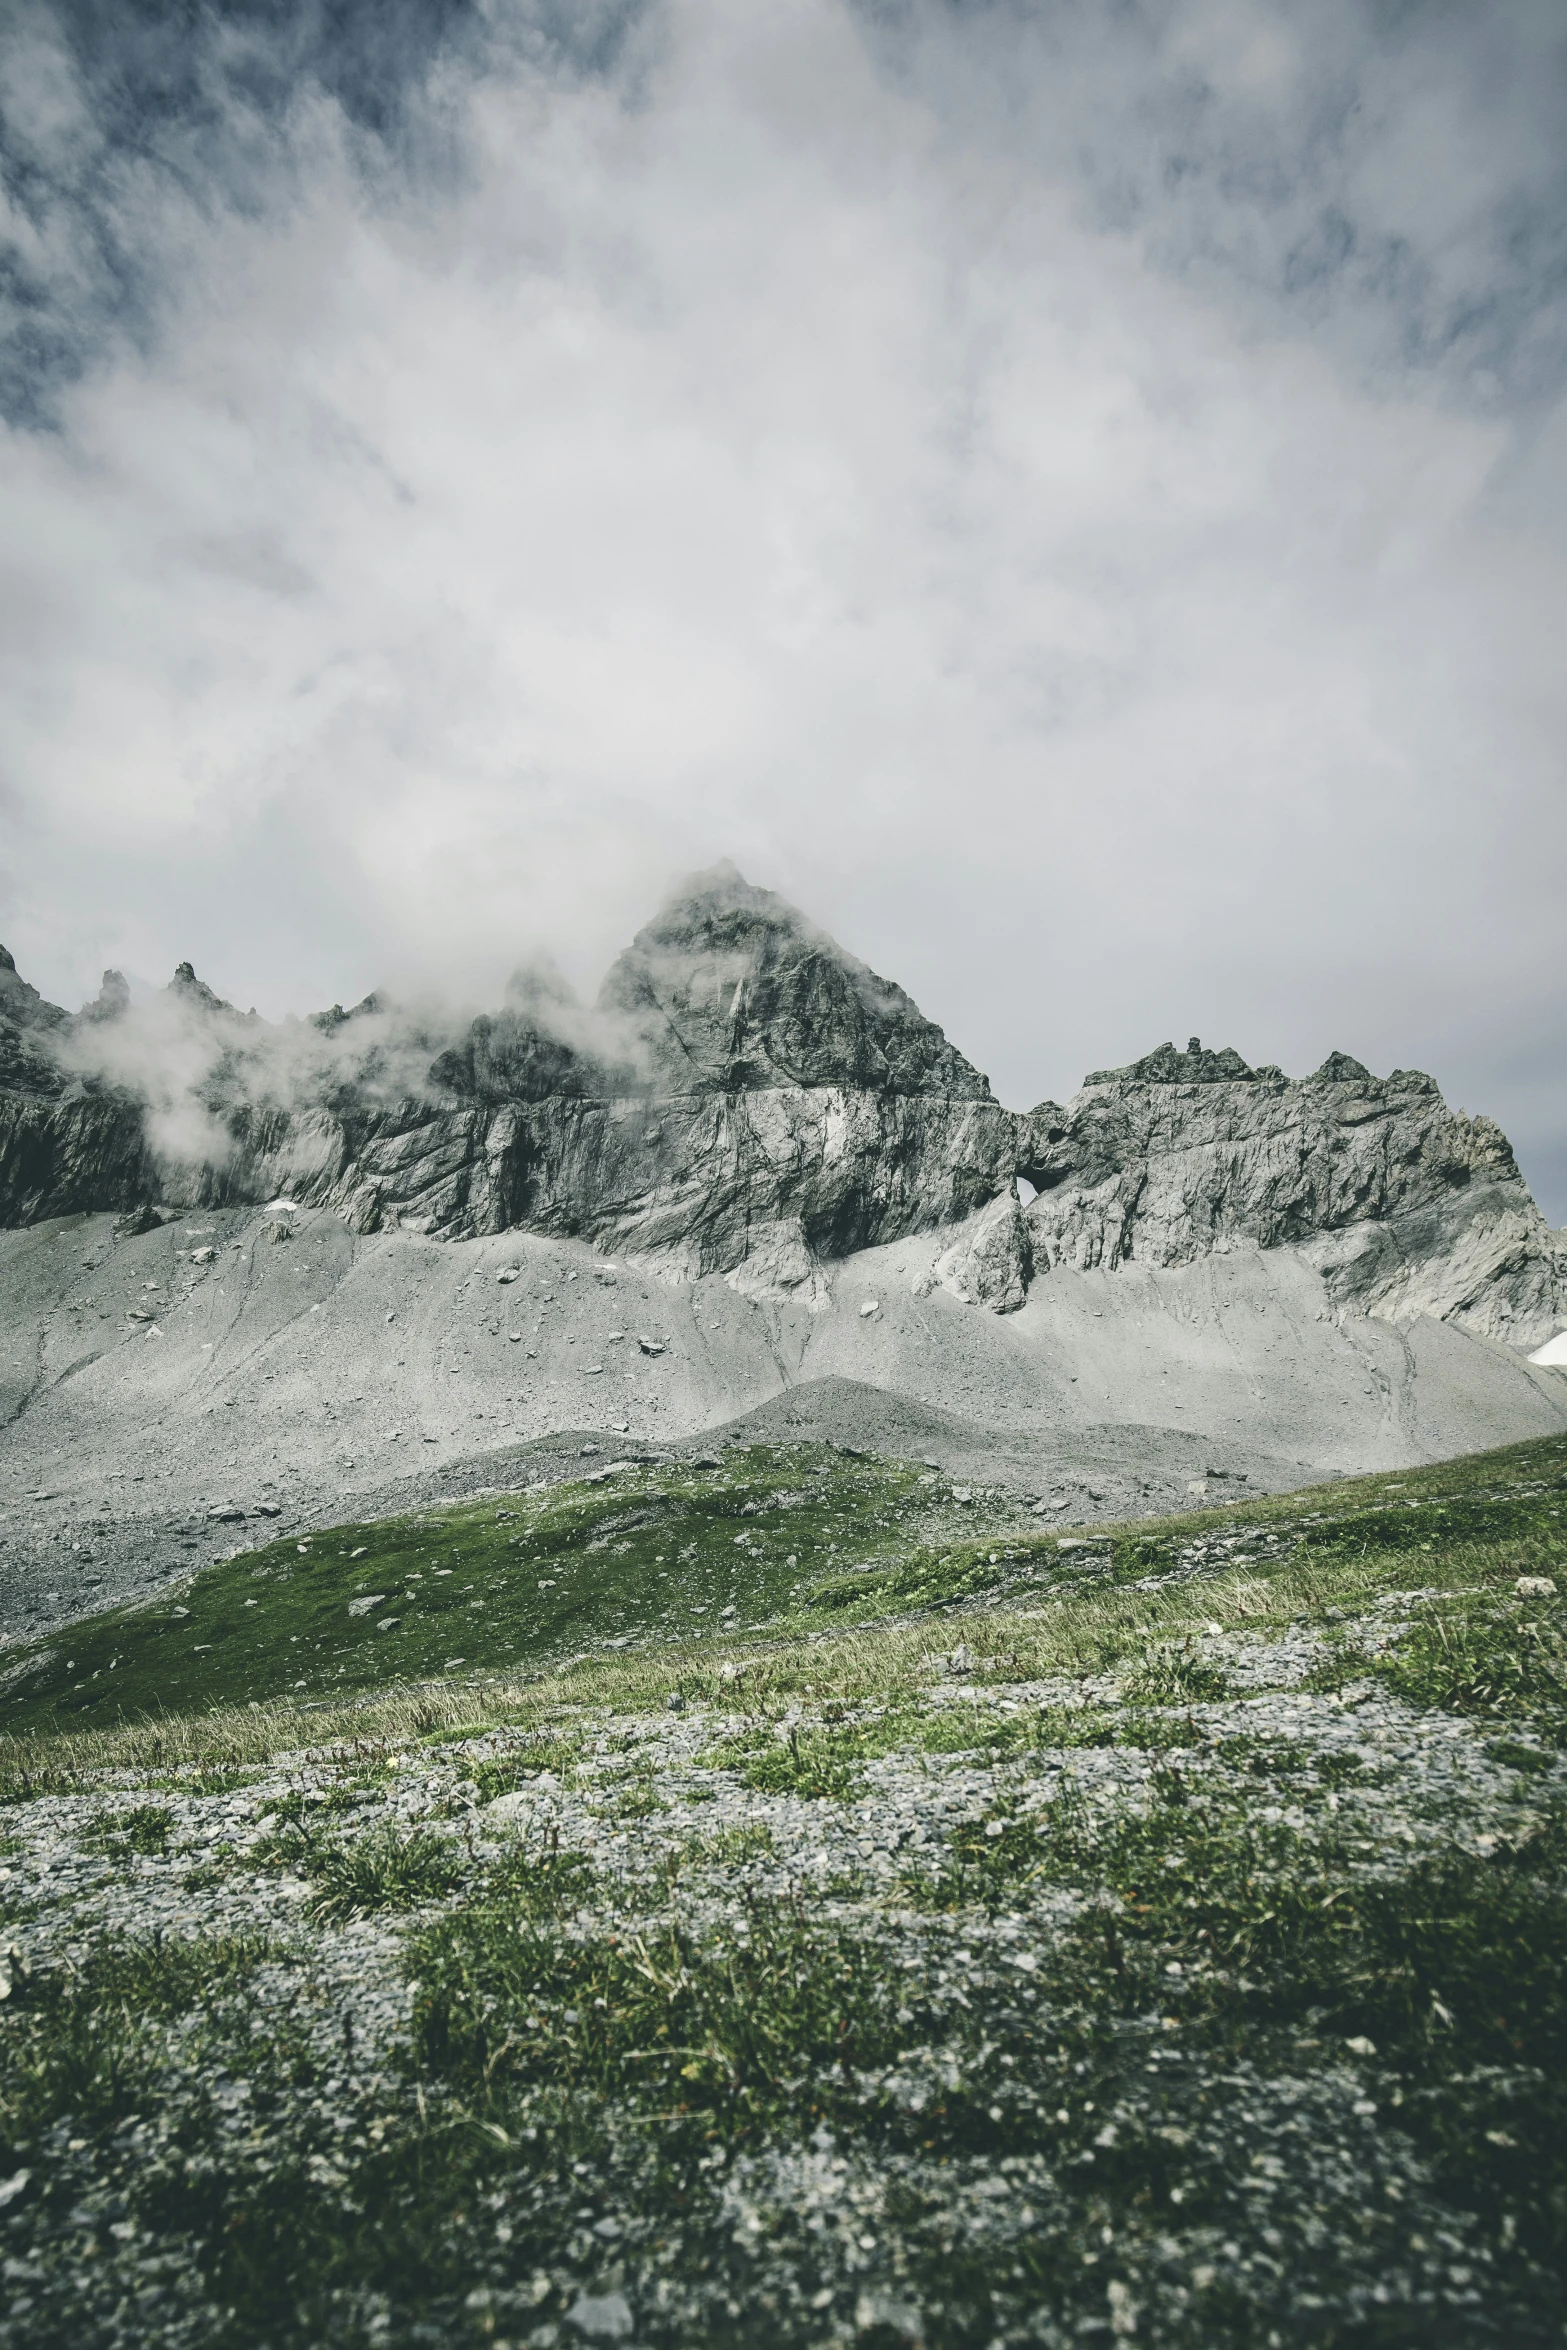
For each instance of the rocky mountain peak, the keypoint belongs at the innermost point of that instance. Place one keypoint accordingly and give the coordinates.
(729, 989)
(196, 992)
(113, 999)
(746, 1097)
(1342, 1069)
(1198, 1065)
(22, 1002)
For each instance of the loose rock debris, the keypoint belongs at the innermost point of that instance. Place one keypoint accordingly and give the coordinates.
(990, 2011)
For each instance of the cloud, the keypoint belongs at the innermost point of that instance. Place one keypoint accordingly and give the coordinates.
(1074, 499)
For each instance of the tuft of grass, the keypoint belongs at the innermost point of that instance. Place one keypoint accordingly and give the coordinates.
(1173, 1673)
(501, 1775)
(77, 2036)
(1480, 1653)
(383, 1870)
(740, 2025)
(142, 1828)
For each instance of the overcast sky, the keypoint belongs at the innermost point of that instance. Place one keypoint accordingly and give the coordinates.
(1074, 495)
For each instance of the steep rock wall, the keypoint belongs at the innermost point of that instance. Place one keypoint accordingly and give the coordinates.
(706, 1182)
(1409, 1207)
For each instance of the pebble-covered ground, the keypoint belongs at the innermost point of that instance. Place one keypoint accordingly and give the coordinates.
(1178, 1958)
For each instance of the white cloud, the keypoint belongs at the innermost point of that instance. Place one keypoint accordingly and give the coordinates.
(791, 447)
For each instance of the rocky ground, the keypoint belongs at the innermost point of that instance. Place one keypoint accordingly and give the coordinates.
(1168, 1949)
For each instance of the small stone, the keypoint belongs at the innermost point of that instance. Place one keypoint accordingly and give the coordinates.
(872, 1305)
(674, 1703)
(1535, 1587)
(227, 1512)
(508, 1273)
(606, 2317)
(389, 1623)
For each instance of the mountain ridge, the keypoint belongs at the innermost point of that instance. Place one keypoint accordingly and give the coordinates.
(747, 1098)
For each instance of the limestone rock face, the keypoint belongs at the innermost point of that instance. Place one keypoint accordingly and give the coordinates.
(70, 1156)
(992, 1260)
(705, 1182)
(27, 1027)
(1408, 1207)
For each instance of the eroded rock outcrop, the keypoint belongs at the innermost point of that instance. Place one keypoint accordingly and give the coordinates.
(1407, 1206)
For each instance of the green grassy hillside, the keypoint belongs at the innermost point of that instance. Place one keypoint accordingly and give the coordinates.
(781, 1538)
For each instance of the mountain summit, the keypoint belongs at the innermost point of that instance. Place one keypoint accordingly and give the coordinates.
(728, 989)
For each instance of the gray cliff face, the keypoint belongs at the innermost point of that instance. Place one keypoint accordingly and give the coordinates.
(1408, 1207)
(64, 1149)
(745, 1098)
(706, 1182)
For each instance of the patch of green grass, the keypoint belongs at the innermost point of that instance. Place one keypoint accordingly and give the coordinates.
(1487, 1517)
(1289, 1762)
(1486, 1654)
(502, 1774)
(381, 1870)
(828, 1759)
(142, 1828)
(76, 2037)
(729, 1847)
(809, 1763)
(634, 1796)
(650, 1553)
(1514, 1756)
(1173, 1673)
(314, 1803)
(737, 2024)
